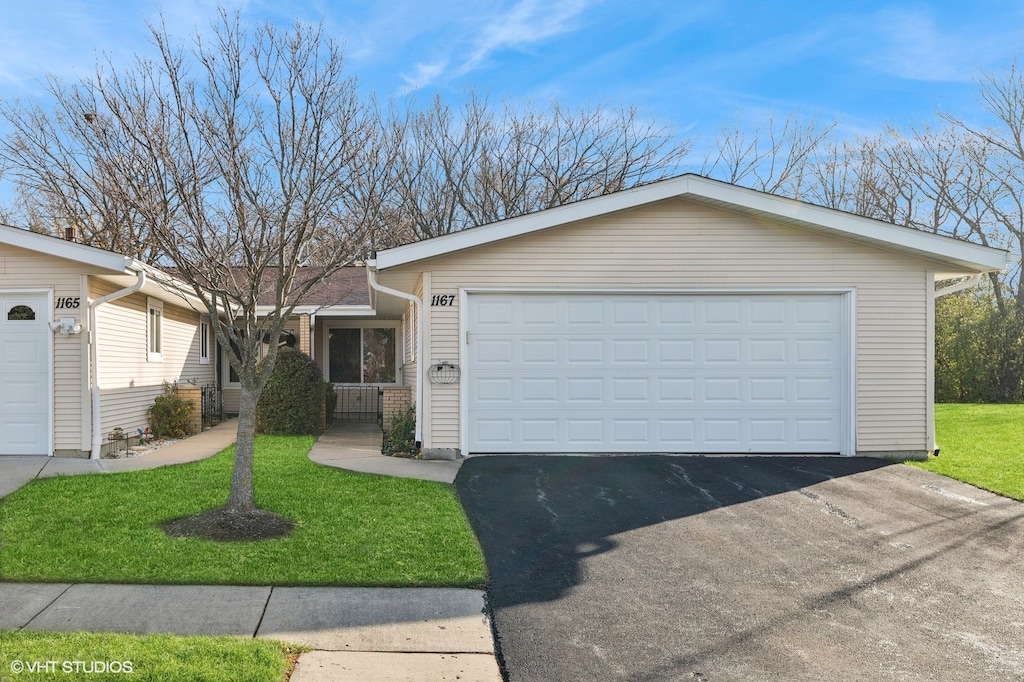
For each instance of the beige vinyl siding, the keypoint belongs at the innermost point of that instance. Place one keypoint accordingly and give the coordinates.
(23, 269)
(677, 244)
(128, 380)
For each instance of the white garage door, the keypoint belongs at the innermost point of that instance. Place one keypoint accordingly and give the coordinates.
(667, 373)
(24, 375)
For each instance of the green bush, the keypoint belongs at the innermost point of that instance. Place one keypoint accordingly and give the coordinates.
(293, 401)
(170, 416)
(400, 439)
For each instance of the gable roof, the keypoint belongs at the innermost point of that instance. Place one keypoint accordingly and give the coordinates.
(959, 255)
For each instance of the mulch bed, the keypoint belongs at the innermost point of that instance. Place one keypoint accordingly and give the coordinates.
(226, 526)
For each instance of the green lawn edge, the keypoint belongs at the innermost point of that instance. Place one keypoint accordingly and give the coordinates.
(37, 656)
(982, 445)
(351, 529)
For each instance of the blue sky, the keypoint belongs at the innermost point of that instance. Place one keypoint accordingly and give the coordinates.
(693, 64)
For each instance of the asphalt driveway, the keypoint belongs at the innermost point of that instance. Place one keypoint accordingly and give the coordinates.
(721, 568)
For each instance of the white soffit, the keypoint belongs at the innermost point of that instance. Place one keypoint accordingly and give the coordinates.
(961, 255)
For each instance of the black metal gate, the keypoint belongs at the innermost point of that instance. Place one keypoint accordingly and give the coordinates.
(363, 404)
(212, 405)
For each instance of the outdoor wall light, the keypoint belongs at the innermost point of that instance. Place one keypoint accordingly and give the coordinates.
(66, 326)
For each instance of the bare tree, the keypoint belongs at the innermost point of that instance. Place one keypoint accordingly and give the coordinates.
(461, 168)
(233, 157)
(775, 158)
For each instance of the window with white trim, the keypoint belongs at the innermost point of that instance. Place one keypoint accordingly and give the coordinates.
(363, 354)
(155, 329)
(204, 340)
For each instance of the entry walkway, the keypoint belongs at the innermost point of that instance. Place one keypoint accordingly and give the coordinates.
(364, 634)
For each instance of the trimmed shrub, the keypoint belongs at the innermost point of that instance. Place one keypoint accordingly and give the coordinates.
(293, 401)
(170, 416)
(400, 439)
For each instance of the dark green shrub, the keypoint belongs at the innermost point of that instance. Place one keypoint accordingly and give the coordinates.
(293, 401)
(400, 439)
(170, 416)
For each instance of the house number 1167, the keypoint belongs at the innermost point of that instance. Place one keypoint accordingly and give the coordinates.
(443, 300)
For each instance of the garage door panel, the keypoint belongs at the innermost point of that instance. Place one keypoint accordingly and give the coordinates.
(669, 373)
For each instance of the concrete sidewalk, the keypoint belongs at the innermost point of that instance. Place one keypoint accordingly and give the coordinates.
(16, 471)
(364, 634)
(356, 447)
(357, 633)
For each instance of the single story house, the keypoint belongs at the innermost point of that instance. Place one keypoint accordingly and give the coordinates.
(87, 340)
(683, 316)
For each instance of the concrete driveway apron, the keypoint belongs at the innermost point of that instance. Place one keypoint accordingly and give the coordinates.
(751, 568)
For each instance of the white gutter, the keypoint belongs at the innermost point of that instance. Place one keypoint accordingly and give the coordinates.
(371, 278)
(97, 424)
(960, 286)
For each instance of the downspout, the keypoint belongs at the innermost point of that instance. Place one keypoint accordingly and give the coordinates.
(371, 278)
(94, 359)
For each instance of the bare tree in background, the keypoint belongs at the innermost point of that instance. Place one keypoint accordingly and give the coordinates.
(775, 158)
(229, 159)
(459, 168)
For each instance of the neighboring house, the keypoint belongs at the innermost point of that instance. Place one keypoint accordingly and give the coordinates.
(687, 315)
(87, 340)
(358, 337)
(684, 316)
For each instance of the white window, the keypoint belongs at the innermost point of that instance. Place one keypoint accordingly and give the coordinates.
(204, 340)
(155, 330)
(363, 355)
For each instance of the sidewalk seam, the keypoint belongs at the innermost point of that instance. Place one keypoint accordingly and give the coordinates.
(52, 602)
(263, 613)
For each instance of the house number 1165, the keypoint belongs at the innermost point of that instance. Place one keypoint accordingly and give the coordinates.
(67, 302)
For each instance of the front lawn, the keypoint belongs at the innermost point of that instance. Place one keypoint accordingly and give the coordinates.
(982, 445)
(351, 529)
(28, 655)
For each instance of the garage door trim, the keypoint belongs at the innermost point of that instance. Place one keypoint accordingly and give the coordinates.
(847, 333)
(45, 322)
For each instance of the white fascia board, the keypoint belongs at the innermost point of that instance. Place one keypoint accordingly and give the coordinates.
(963, 255)
(926, 244)
(61, 248)
(541, 220)
(323, 310)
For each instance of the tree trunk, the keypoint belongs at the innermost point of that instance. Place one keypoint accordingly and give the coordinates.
(241, 500)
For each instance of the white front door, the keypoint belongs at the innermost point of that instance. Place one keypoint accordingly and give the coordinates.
(694, 373)
(25, 374)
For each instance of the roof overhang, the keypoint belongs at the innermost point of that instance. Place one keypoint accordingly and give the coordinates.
(72, 251)
(955, 254)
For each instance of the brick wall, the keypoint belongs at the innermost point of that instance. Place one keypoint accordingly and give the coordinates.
(193, 394)
(305, 344)
(397, 400)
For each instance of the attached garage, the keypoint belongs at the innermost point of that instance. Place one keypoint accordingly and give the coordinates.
(656, 372)
(684, 316)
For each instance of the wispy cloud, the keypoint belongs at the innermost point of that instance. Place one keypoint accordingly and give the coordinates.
(526, 23)
(907, 43)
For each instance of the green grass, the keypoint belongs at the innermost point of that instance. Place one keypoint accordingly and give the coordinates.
(982, 445)
(74, 655)
(351, 529)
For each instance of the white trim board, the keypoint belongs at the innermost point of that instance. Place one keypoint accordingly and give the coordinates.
(959, 255)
